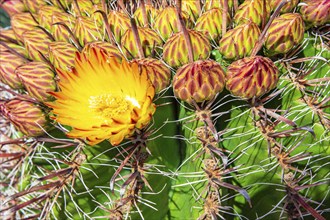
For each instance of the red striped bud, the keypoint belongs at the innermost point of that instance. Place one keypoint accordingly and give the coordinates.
(38, 80)
(25, 116)
(22, 22)
(257, 11)
(175, 49)
(158, 73)
(119, 22)
(36, 43)
(149, 41)
(199, 81)
(210, 23)
(166, 23)
(239, 42)
(62, 55)
(251, 77)
(286, 32)
(315, 12)
(9, 63)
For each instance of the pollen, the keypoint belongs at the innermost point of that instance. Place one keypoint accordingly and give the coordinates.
(108, 105)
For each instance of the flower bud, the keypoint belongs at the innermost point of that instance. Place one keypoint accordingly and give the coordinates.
(315, 12)
(106, 47)
(288, 7)
(257, 11)
(199, 81)
(12, 7)
(119, 22)
(239, 42)
(149, 41)
(25, 116)
(175, 49)
(62, 55)
(22, 22)
(251, 77)
(209, 4)
(38, 80)
(9, 63)
(158, 73)
(45, 14)
(210, 23)
(59, 32)
(86, 30)
(35, 5)
(166, 23)
(36, 43)
(152, 13)
(285, 32)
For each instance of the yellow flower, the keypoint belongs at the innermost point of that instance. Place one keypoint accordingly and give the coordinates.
(103, 98)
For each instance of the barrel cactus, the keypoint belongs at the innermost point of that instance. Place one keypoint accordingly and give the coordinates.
(114, 109)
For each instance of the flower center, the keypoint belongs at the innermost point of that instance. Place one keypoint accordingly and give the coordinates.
(109, 105)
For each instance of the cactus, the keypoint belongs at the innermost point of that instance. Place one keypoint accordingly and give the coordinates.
(164, 110)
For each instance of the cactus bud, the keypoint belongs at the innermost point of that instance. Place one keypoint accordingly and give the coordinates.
(26, 116)
(82, 8)
(251, 77)
(38, 79)
(9, 63)
(191, 8)
(288, 7)
(315, 12)
(7, 37)
(284, 33)
(210, 23)
(86, 30)
(108, 48)
(166, 22)
(158, 73)
(239, 42)
(119, 23)
(62, 55)
(35, 5)
(45, 14)
(36, 43)
(257, 11)
(12, 7)
(149, 41)
(59, 32)
(62, 3)
(209, 4)
(175, 49)
(199, 81)
(22, 22)
(151, 15)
